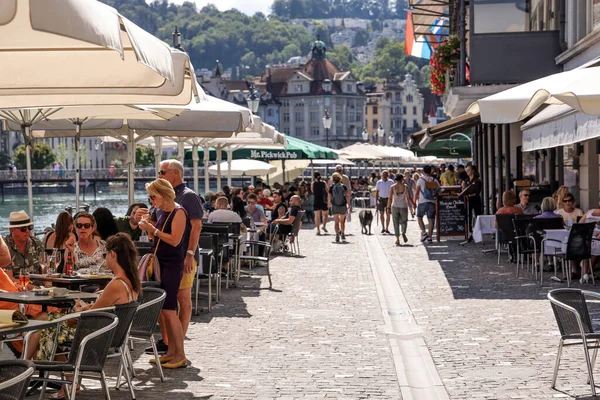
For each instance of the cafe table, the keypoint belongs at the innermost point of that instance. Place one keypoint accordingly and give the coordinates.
(72, 282)
(558, 244)
(45, 301)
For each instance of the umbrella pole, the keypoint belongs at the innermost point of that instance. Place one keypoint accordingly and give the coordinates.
(77, 164)
(219, 159)
(158, 152)
(26, 131)
(229, 157)
(195, 159)
(131, 166)
(180, 152)
(312, 169)
(206, 175)
(283, 171)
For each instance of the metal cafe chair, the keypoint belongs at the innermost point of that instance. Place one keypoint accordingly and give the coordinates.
(14, 378)
(575, 326)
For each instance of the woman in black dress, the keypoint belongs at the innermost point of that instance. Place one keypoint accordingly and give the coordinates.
(170, 251)
(320, 191)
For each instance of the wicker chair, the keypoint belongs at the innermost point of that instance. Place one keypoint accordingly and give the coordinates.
(145, 320)
(14, 378)
(575, 326)
(89, 349)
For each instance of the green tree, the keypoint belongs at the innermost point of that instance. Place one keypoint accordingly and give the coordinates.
(144, 156)
(426, 75)
(5, 159)
(341, 56)
(361, 38)
(61, 153)
(41, 157)
(289, 51)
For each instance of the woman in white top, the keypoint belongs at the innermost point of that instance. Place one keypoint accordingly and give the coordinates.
(569, 212)
(399, 199)
(88, 251)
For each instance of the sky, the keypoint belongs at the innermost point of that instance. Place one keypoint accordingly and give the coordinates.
(245, 6)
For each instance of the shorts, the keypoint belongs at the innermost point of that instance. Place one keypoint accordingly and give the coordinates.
(426, 208)
(187, 281)
(320, 206)
(382, 204)
(339, 210)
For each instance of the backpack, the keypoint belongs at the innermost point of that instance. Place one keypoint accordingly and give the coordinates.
(429, 194)
(338, 197)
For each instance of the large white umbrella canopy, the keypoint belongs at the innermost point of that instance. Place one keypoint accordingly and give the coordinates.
(244, 168)
(81, 52)
(579, 88)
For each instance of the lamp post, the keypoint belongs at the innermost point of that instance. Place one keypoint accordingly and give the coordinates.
(253, 100)
(326, 85)
(327, 125)
(380, 133)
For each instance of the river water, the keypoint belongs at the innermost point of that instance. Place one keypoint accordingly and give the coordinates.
(46, 207)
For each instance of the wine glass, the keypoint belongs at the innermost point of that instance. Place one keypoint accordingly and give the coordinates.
(57, 259)
(43, 259)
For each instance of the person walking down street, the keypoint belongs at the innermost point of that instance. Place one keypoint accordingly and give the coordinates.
(338, 200)
(449, 178)
(382, 192)
(412, 186)
(346, 182)
(320, 190)
(425, 198)
(472, 186)
(398, 201)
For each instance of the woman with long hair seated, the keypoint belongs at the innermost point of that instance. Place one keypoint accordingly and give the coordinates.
(168, 233)
(63, 231)
(105, 223)
(121, 259)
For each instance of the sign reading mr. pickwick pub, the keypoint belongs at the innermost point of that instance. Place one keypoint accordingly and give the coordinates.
(275, 154)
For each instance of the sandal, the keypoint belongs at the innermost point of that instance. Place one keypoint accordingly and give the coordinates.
(61, 394)
(162, 360)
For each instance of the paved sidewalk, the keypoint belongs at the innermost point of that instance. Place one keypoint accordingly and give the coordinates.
(318, 334)
(492, 336)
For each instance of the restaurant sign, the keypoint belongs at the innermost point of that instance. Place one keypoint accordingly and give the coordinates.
(274, 154)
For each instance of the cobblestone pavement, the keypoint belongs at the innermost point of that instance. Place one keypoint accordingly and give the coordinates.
(491, 335)
(318, 334)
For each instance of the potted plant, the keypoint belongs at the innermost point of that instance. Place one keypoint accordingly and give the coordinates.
(446, 54)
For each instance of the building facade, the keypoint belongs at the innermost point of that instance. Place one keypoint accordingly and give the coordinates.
(305, 100)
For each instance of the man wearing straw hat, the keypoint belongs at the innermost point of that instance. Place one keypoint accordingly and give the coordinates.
(24, 248)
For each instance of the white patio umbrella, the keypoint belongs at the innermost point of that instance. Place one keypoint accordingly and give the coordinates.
(58, 52)
(245, 168)
(579, 88)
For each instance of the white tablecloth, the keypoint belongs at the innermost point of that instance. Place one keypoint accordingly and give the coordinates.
(484, 226)
(562, 235)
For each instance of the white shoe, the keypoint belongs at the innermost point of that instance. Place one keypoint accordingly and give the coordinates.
(585, 278)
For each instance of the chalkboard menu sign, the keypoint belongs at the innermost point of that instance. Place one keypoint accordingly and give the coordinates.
(451, 216)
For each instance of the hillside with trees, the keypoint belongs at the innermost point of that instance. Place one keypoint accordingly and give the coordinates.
(246, 44)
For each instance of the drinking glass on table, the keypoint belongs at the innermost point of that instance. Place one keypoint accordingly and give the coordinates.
(43, 259)
(24, 277)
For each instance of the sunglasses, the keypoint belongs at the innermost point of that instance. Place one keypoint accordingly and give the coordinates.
(525, 195)
(568, 200)
(163, 171)
(251, 203)
(87, 225)
(151, 198)
(26, 228)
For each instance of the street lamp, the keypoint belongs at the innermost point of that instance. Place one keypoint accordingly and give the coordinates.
(380, 132)
(327, 125)
(253, 100)
(365, 135)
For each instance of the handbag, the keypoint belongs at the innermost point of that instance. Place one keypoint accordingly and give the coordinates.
(148, 266)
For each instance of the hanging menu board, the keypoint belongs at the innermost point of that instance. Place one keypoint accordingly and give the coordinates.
(451, 215)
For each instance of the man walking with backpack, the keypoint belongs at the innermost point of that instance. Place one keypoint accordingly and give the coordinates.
(383, 191)
(425, 196)
(338, 201)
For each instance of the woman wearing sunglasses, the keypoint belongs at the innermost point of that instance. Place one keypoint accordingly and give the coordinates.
(88, 251)
(168, 232)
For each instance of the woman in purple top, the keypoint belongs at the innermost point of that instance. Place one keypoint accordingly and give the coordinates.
(548, 208)
(168, 234)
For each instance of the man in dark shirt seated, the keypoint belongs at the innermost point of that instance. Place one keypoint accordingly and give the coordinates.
(285, 223)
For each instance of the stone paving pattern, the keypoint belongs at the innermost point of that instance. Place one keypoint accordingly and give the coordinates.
(491, 335)
(318, 334)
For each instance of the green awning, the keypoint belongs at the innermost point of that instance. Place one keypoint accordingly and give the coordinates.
(296, 150)
(445, 148)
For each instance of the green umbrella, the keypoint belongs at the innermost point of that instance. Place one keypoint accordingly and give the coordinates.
(445, 148)
(296, 150)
